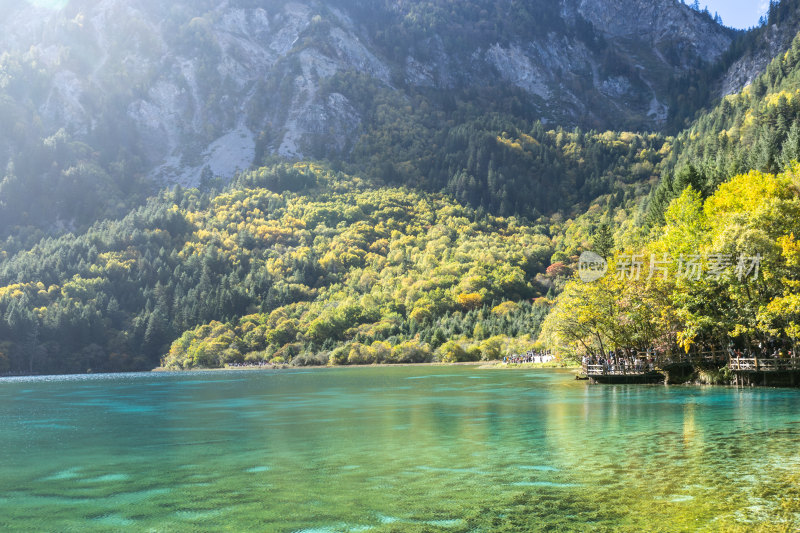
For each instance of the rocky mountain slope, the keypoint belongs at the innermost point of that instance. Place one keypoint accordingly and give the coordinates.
(760, 47)
(214, 85)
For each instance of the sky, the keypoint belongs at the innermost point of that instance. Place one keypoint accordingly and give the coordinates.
(52, 4)
(737, 13)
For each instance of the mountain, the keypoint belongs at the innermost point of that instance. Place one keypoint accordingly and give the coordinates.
(201, 82)
(105, 100)
(700, 88)
(751, 55)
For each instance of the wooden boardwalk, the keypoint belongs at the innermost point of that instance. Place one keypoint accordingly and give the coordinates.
(780, 371)
(771, 364)
(766, 371)
(746, 370)
(620, 374)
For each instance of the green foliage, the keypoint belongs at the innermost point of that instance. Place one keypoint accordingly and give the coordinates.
(496, 161)
(366, 275)
(452, 352)
(49, 179)
(752, 215)
(603, 240)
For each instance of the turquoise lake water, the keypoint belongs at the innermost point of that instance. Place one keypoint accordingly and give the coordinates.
(392, 449)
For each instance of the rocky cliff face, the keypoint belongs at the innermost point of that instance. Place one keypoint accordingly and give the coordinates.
(772, 41)
(753, 63)
(205, 87)
(658, 23)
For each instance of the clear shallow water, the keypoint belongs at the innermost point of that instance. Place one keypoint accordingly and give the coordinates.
(391, 449)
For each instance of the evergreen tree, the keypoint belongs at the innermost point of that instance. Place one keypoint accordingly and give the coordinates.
(603, 239)
(791, 147)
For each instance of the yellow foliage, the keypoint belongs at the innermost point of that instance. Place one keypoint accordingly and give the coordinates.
(745, 192)
(17, 290)
(790, 248)
(514, 145)
(469, 301)
(773, 99)
(505, 308)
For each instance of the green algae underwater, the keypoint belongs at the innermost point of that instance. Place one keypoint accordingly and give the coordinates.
(394, 449)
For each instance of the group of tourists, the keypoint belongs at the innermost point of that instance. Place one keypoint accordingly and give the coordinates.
(260, 364)
(529, 357)
(762, 351)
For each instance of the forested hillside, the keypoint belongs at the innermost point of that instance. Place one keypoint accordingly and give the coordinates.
(104, 102)
(334, 269)
(730, 213)
(756, 129)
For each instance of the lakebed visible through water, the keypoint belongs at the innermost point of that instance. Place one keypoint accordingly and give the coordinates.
(393, 449)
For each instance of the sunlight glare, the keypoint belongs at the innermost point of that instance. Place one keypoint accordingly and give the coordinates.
(49, 4)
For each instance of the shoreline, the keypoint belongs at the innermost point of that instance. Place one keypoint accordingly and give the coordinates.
(533, 366)
(481, 365)
(700, 378)
(287, 367)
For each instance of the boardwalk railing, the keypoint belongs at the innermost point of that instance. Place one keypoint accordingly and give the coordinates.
(765, 365)
(617, 370)
(737, 364)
